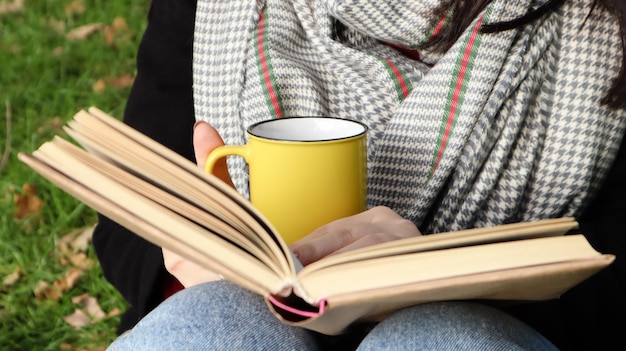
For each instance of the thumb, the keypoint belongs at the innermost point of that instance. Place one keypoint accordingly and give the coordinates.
(206, 139)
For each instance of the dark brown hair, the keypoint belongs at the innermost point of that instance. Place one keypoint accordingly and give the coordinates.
(463, 12)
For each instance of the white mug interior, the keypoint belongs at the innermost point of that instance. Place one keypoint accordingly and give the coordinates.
(307, 129)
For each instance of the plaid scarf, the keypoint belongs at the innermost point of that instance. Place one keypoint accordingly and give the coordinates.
(502, 127)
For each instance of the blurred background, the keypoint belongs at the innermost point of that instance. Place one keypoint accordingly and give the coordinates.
(56, 57)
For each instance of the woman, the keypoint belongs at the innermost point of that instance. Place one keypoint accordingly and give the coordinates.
(490, 112)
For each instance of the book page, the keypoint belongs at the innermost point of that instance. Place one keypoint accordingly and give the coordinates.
(410, 268)
(507, 232)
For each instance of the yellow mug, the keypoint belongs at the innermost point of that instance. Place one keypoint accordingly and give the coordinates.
(304, 171)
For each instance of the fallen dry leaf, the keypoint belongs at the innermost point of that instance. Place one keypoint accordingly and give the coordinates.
(57, 52)
(10, 7)
(99, 86)
(50, 127)
(80, 260)
(90, 306)
(82, 32)
(67, 282)
(114, 312)
(78, 319)
(123, 81)
(120, 82)
(57, 26)
(77, 240)
(45, 291)
(75, 7)
(89, 313)
(27, 203)
(109, 35)
(117, 31)
(13, 277)
(120, 25)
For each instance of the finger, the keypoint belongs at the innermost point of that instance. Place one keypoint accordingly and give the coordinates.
(365, 241)
(328, 239)
(206, 139)
(329, 231)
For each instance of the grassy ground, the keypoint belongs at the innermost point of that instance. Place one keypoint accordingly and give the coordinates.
(56, 56)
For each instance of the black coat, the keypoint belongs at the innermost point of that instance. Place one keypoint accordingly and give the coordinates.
(161, 106)
(590, 316)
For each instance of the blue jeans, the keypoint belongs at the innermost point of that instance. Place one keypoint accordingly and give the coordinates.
(222, 316)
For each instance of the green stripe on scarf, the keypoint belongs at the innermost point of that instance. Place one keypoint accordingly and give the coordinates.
(458, 85)
(266, 70)
(401, 82)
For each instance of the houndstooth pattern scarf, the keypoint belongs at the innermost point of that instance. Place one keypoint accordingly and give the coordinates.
(501, 128)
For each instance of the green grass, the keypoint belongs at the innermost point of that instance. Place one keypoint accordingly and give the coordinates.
(45, 75)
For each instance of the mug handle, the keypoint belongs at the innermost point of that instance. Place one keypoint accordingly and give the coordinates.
(223, 151)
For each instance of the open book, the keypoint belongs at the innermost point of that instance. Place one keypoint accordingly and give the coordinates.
(166, 199)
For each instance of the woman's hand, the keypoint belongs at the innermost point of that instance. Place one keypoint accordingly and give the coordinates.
(205, 139)
(374, 226)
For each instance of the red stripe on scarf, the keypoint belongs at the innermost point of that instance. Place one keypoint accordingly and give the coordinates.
(266, 71)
